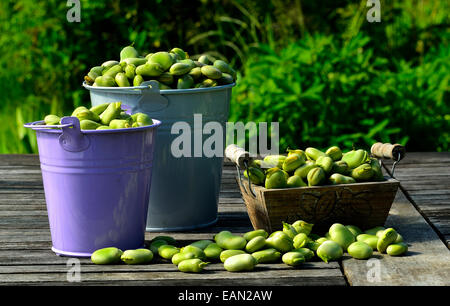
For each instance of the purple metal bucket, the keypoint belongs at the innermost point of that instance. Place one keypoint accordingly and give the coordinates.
(97, 185)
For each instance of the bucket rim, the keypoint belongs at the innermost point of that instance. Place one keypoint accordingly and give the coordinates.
(138, 89)
(155, 124)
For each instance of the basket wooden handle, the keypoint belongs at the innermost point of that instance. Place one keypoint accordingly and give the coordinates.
(238, 155)
(388, 151)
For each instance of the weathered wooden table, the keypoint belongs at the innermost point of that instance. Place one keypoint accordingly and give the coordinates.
(421, 213)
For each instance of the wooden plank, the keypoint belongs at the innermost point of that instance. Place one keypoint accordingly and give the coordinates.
(426, 263)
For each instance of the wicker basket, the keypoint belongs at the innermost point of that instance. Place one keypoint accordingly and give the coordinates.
(365, 205)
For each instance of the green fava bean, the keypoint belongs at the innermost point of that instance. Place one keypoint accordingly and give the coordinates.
(397, 249)
(303, 227)
(166, 78)
(103, 127)
(355, 158)
(297, 151)
(180, 53)
(206, 83)
(252, 234)
(195, 73)
(112, 71)
(371, 240)
(329, 250)
(321, 240)
(168, 239)
(185, 82)
(130, 71)
(300, 240)
(295, 181)
(98, 109)
(142, 119)
(154, 246)
(199, 253)
(128, 52)
(179, 69)
(388, 237)
(313, 245)
(194, 265)
(238, 263)
(275, 178)
(255, 244)
(325, 162)
(204, 59)
(135, 61)
(167, 251)
(360, 250)
(289, 230)
(106, 256)
(87, 115)
(202, 244)
(211, 72)
(213, 251)
(52, 120)
(376, 168)
(87, 124)
(293, 259)
(108, 64)
(190, 62)
(97, 70)
(225, 79)
(354, 229)
(363, 172)
(162, 58)
(137, 257)
(228, 241)
(334, 152)
(150, 69)
(105, 81)
(138, 79)
(340, 167)
(122, 80)
(280, 242)
(303, 170)
(306, 253)
(273, 161)
(316, 177)
(292, 162)
(120, 124)
(342, 235)
(224, 255)
(257, 176)
(222, 66)
(399, 238)
(179, 257)
(373, 231)
(111, 112)
(338, 179)
(267, 256)
(313, 153)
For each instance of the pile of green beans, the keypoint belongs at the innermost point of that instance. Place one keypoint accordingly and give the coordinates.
(313, 167)
(105, 116)
(172, 69)
(293, 245)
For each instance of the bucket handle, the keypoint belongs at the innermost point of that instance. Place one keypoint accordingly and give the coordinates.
(150, 93)
(71, 138)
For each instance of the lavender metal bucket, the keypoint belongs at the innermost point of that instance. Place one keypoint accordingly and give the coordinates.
(96, 183)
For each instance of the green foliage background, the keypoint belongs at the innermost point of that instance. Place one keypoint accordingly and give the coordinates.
(317, 67)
